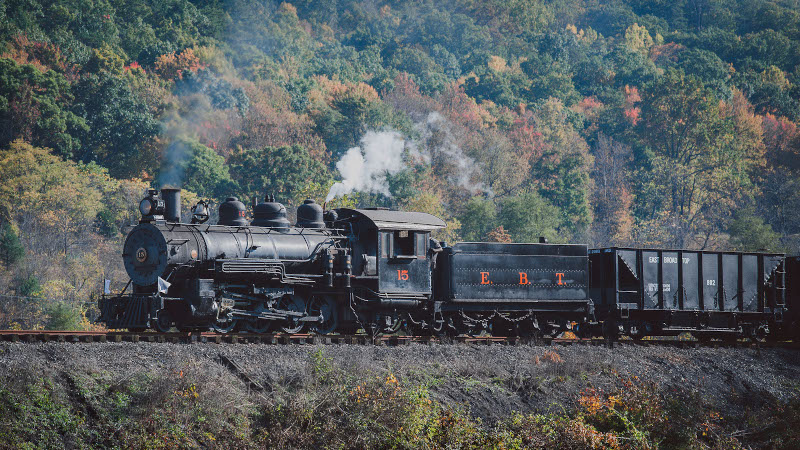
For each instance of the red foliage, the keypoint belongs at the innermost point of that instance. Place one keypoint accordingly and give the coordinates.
(134, 66)
(632, 114)
(782, 140)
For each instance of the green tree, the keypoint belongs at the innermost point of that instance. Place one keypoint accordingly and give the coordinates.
(120, 125)
(35, 106)
(560, 167)
(478, 219)
(282, 171)
(63, 316)
(749, 233)
(193, 166)
(702, 155)
(528, 216)
(29, 286)
(11, 249)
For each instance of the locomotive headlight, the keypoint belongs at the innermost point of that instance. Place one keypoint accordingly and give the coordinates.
(145, 207)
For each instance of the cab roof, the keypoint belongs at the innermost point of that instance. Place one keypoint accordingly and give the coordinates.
(385, 219)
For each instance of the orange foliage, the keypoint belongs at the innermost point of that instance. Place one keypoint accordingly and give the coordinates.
(333, 89)
(632, 112)
(669, 52)
(271, 122)
(461, 108)
(499, 234)
(589, 106)
(172, 66)
(41, 55)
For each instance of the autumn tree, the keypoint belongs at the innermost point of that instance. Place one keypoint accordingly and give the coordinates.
(52, 201)
(779, 200)
(430, 202)
(35, 106)
(560, 168)
(611, 198)
(703, 153)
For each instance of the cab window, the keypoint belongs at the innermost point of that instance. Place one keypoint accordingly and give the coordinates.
(403, 243)
(422, 244)
(387, 239)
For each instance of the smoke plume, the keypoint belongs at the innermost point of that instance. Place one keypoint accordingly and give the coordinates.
(364, 168)
(438, 142)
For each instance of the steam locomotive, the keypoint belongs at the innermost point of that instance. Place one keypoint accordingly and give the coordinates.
(379, 270)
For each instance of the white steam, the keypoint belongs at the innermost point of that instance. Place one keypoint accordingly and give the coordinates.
(364, 168)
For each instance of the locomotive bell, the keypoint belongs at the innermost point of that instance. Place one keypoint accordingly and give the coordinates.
(231, 213)
(309, 215)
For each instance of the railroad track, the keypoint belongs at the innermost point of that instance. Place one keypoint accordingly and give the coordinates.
(34, 336)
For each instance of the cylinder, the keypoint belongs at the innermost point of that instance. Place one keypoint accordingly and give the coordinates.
(172, 204)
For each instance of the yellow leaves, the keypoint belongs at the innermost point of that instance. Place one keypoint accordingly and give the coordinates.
(497, 64)
(638, 39)
(288, 8)
(774, 75)
(189, 392)
(429, 202)
(332, 90)
(41, 185)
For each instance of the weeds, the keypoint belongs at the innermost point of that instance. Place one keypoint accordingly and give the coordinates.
(327, 406)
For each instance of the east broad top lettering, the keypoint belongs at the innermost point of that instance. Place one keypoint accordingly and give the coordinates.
(523, 279)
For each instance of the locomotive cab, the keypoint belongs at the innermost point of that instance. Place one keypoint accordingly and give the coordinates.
(390, 251)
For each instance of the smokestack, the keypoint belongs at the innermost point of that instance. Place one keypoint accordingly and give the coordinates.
(172, 204)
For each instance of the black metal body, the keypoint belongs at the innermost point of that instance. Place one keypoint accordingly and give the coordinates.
(157, 249)
(378, 269)
(652, 291)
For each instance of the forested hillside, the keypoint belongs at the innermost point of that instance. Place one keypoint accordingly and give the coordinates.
(649, 123)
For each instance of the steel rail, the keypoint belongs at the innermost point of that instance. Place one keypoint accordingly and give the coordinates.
(34, 336)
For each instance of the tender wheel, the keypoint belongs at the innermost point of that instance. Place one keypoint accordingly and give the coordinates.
(295, 304)
(326, 307)
(163, 322)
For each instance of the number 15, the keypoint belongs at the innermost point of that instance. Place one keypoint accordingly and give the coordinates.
(402, 275)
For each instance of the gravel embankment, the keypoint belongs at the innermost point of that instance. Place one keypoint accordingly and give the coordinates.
(492, 380)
